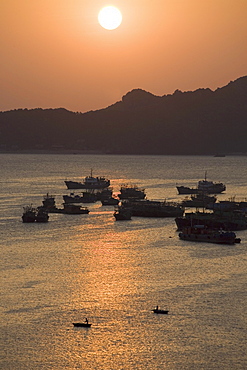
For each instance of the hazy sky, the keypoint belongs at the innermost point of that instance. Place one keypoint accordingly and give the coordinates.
(55, 54)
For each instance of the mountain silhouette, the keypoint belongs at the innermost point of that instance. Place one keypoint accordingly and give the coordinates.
(192, 122)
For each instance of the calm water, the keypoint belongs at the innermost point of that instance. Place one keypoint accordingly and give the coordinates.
(114, 273)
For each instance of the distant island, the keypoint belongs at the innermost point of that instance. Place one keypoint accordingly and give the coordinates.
(200, 122)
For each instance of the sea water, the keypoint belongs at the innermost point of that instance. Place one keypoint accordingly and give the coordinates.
(114, 273)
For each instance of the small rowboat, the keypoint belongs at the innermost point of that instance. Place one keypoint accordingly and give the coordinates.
(157, 310)
(82, 324)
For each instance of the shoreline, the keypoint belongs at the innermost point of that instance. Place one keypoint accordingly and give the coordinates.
(98, 152)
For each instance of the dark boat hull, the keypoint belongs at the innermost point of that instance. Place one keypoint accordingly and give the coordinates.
(110, 202)
(80, 185)
(81, 325)
(122, 216)
(216, 239)
(146, 208)
(129, 192)
(208, 190)
(162, 312)
(28, 219)
(210, 221)
(159, 213)
(187, 190)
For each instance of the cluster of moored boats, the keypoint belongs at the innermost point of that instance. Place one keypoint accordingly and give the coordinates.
(216, 225)
(31, 214)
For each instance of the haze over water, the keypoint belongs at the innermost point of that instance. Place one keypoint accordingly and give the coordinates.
(115, 273)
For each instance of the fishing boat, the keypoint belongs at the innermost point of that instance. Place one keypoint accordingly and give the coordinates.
(186, 190)
(102, 194)
(199, 200)
(74, 209)
(159, 311)
(29, 214)
(85, 197)
(109, 201)
(229, 220)
(42, 215)
(211, 187)
(49, 202)
(200, 233)
(81, 325)
(203, 186)
(229, 205)
(85, 324)
(89, 182)
(122, 213)
(131, 192)
(150, 208)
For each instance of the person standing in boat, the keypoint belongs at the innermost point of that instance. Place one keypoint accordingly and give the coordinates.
(86, 320)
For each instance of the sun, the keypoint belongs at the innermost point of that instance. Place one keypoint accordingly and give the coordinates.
(110, 17)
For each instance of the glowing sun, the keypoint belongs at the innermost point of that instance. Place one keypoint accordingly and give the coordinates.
(110, 17)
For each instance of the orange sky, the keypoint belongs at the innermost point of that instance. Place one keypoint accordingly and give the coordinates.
(55, 54)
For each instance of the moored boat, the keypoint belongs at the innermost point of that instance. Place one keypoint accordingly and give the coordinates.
(200, 233)
(122, 213)
(232, 220)
(74, 209)
(205, 186)
(104, 193)
(32, 214)
(211, 187)
(85, 197)
(42, 215)
(229, 205)
(150, 208)
(29, 214)
(49, 201)
(89, 182)
(199, 200)
(131, 192)
(109, 201)
(186, 190)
